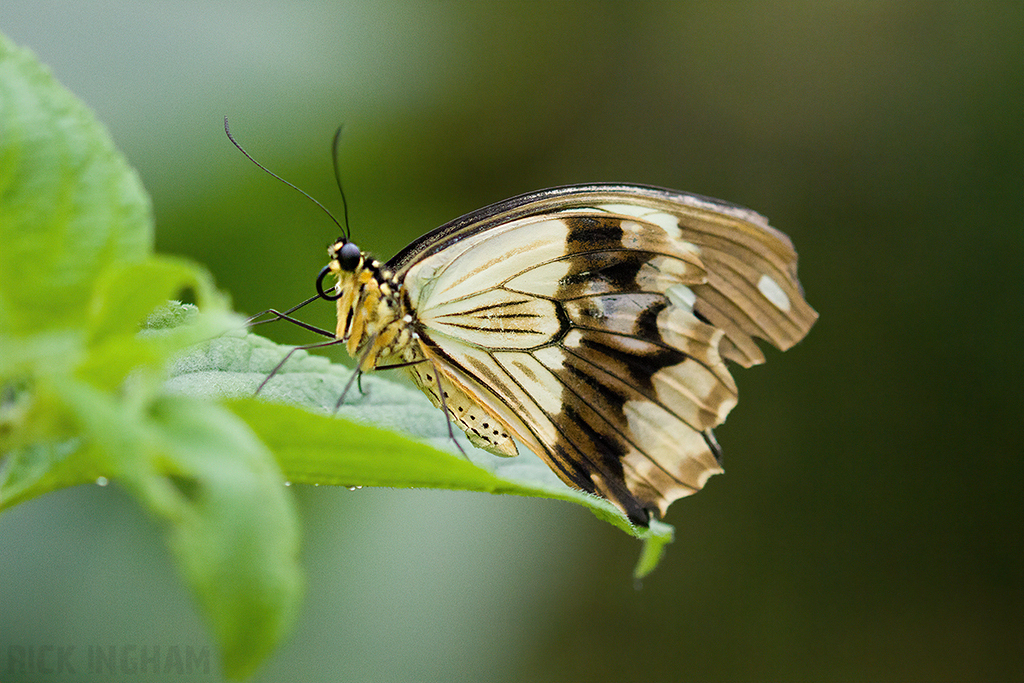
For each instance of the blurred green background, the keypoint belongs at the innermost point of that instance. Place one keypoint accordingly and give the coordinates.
(870, 524)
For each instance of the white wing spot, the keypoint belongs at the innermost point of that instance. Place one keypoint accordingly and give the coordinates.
(665, 221)
(573, 339)
(625, 209)
(771, 290)
(682, 296)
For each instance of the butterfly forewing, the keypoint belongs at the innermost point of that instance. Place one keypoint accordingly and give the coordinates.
(591, 323)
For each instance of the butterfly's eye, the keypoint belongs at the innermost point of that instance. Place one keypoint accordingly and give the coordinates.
(349, 257)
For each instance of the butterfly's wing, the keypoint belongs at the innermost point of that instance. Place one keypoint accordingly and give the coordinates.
(592, 321)
(481, 424)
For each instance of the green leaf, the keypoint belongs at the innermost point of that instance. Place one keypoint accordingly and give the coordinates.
(69, 203)
(82, 390)
(120, 302)
(231, 523)
(389, 435)
(125, 297)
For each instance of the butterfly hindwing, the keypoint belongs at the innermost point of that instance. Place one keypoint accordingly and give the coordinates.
(480, 423)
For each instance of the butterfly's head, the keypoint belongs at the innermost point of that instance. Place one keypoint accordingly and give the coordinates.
(346, 255)
(346, 259)
(367, 296)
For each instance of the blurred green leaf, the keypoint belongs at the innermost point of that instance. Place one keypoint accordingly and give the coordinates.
(82, 386)
(70, 206)
(231, 525)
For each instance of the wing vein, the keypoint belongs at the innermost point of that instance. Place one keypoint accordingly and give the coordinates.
(642, 395)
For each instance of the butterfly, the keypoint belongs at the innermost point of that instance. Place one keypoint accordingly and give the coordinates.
(590, 323)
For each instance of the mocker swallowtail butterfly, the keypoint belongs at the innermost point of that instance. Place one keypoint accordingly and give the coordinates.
(591, 323)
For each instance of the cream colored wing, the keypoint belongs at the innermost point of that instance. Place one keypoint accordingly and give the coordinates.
(592, 323)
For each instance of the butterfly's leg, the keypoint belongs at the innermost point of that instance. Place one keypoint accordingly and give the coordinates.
(444, 409)
(440, 395)
(277, 315)
(288, 355)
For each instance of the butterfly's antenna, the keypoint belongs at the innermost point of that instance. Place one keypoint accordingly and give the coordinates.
(294, 187)
(337, 179)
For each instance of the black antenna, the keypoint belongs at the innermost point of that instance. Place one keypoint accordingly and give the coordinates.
(305, 194)
(337, 179)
